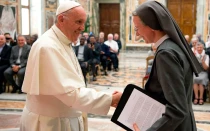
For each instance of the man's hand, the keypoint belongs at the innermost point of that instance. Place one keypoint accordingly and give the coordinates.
(112, 50)
(203, 59)
(15, 68)
(89, 45)
(136, 128)
(92, 46)
(116, 98)
(102, 52)
(86, 64)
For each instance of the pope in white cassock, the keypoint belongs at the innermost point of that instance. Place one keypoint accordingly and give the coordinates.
(54, 83)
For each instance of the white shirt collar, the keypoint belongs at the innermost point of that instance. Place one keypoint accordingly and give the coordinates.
(161, 40)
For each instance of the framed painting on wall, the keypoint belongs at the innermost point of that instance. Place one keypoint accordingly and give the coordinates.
(8, 21)
(52, 4)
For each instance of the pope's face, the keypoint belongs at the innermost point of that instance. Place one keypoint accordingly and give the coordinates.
(143, 31)
(74, 23)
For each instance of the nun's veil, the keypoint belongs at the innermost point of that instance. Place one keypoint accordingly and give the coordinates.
(157, 17)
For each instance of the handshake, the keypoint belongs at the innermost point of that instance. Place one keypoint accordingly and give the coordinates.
(115, 100)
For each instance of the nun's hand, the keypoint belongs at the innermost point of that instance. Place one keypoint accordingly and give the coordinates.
(136, 128)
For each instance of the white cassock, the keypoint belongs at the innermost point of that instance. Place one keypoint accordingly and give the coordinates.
(55, 87)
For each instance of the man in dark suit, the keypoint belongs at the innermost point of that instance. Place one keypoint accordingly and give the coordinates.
(84, 55)
(104, 55)
(18, 61)
(116, 38)
(171, 76)
(5, 51)
(95, 59)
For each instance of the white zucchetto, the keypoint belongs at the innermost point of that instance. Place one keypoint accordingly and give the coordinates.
(66, 5)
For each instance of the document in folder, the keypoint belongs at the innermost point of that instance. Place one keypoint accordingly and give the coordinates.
(137, 106)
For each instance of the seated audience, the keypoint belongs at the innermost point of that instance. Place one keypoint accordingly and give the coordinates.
(187, 37)
(84, 55)
(104, 55)
(113, 48)
(5, 51)
(9, 40)
(201, 81)
(101, 35)
(18, 61)
(200, 40)
(194, 41)
(116, 38)
(33, 38)
(194, 44)
(28, 39)
(86, 35)
(193, 36)
(96, 50)
(207, 44)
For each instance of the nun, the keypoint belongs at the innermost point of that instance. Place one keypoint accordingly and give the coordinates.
(171, 77)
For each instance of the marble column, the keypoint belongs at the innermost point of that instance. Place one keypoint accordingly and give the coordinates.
(95, 17)
(122, 23)
(37, 17)
(200, 16)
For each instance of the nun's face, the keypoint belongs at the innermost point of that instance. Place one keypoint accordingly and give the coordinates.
(143, 31)
(74, 23)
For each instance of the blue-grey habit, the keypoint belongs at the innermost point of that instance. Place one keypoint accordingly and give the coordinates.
(171, 76)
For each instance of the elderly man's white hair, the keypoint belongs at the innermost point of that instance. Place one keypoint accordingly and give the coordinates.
(110, 35)
(187, 36)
